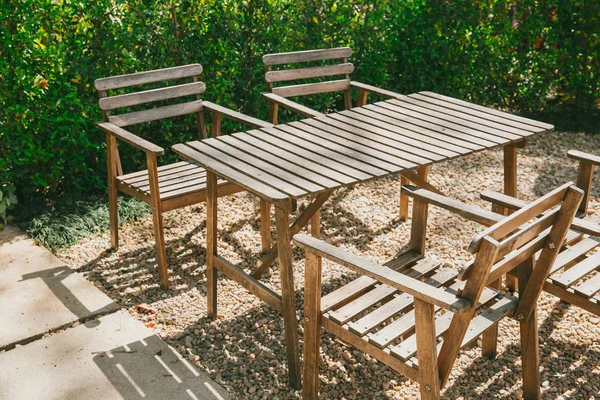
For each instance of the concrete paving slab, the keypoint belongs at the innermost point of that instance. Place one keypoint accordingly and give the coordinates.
(39, 293)
(117, 358)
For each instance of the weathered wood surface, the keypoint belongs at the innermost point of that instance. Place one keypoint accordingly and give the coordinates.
(148, 96)
(309, 72)
(306, 56)
(130, 138)
(275, 100)
(312, 88)
(142, 78)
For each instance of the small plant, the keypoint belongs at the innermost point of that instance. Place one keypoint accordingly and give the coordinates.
(8, 199)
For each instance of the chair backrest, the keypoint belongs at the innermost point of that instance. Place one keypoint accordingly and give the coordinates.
(541, 225)
(512, 242)
(342, 67)
(192, 88)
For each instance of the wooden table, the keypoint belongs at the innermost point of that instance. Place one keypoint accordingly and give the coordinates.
(315, 156)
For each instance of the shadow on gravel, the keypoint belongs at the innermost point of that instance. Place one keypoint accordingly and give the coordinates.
(565, 351)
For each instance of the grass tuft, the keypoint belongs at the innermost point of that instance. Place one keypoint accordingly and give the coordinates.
(72, 221)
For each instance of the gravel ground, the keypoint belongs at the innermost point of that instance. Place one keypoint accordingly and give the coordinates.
(244, 351)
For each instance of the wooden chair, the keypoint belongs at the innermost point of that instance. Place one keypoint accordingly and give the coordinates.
(397, 312)
(279, 96)
(169, 186)
(575, 277)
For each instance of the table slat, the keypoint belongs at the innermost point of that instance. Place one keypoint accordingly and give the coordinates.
(247, 168)
(238, 178)
(369, 117)
(353, 173)
(546, 127)
(476, 113)
(441, 123)
(370, 147)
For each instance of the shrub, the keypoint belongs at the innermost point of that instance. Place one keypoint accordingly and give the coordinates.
(525, 56)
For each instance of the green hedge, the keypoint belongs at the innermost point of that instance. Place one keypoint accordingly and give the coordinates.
(533, 56)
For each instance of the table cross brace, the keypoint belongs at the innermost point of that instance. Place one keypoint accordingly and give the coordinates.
(295, 227)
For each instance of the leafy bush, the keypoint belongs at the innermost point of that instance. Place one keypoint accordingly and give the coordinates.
(525, 56)
(8, 199)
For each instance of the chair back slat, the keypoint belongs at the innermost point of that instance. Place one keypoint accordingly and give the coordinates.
(309, 72)
(341, 68)
(527, 232)
(188, 91)
(154, 114)
(521, 217)
(306, 56)
(149, 96)
(312, 88)
(142, 78)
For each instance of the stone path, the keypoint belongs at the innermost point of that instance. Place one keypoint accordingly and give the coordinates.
(61, 337)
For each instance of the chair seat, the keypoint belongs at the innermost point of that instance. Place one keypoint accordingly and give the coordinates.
(576, 269)
(382, 317)
(174, 180)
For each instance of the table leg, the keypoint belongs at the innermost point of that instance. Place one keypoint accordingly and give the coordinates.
(315, 222)
(284, 248)
(211, 243)
(265, 226)
(510, 189)
(403, 214)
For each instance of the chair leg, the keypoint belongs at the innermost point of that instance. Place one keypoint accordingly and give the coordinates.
(312, 326)
(157, 220)
(265, 226)
(529, 342)
(211, 243)
(113, 210)
(530, 358)
(273, 112)
(427, 350)
(161, 252)
(111, 163)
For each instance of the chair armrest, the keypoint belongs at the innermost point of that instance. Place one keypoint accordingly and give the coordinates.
(473, 213)
(578, 224)
(584, 157)
(130, 138)
(375, 90)
(502, 200)
(386, 275)
(292, 105)
(235, 115)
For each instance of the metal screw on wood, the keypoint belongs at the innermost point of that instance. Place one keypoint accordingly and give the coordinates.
(428, 388)
(306, 319)
(551, 246)
(520, 317)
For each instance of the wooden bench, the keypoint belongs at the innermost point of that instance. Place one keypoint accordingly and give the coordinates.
(397, 312)
(574, 278)
(169, 186)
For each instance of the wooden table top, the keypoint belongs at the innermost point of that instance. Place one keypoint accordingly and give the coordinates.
(340, 149)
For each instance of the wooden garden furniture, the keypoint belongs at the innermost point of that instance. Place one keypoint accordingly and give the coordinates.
(280, 95)
(169, 186)
(315, 156)
(574, 278)
(414, 316)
